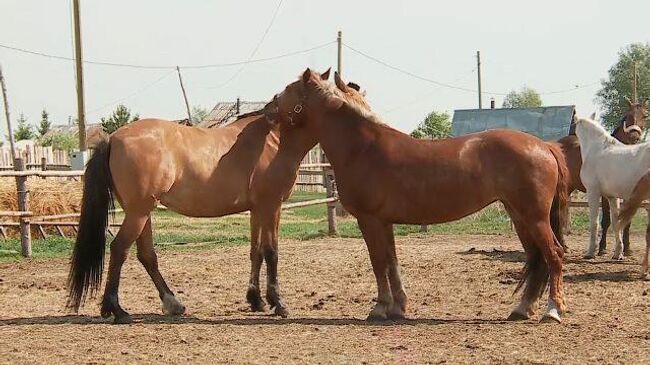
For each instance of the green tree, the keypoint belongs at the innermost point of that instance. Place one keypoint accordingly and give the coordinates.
(524, 98)
(198, 114)
(619, 82)
(45, 124)
(60, 141)
(120, 117)
(23, 130)
(435, 126)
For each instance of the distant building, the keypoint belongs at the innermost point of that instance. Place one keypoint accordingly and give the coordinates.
(548, 123)
(225, 113)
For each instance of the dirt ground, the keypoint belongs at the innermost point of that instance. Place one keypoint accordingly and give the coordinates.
(458, 299)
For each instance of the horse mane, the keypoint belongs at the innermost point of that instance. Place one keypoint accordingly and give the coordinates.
(597, 130)
(253, 113)
(354, 100)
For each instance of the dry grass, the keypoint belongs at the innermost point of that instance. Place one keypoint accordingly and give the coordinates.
(46, 196)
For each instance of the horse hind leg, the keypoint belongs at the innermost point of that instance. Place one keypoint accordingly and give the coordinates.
(534, 274)
(148, 258)
(130, 230)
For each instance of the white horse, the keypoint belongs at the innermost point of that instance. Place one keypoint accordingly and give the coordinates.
(610, 169)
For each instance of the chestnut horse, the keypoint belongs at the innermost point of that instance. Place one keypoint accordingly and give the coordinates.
(386, 177)
(628, 131)
(250, 164)
(640, 193)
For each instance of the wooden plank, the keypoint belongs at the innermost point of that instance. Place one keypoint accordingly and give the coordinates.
(41, 231)
(27, 173)
(61, 233)
(68, 224)
(308, 203)
(11, 213)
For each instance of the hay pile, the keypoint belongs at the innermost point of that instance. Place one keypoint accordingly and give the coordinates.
(47, 196)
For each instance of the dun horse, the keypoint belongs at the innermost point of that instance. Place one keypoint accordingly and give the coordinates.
(250, 164)
(386, 177)
(628, 131)
(610, 169)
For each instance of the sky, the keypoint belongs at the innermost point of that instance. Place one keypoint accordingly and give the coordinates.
(549, 46)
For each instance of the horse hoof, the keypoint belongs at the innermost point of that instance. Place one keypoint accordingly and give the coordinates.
(374, 317)
(602, 252)
(516, 316)
(589, 256)
(171, 306)
(281, 311)
(396, 315)
(646, 276)
(551, 317)
(618, 258)
(123, 319)
(258, 307)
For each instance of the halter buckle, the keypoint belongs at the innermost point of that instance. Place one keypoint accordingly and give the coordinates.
(297, 109)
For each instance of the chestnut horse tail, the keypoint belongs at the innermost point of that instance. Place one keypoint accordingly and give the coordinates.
(560, 205)
(639, 194)
(87, 262)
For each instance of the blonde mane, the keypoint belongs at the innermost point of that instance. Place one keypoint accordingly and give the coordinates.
(354, 99)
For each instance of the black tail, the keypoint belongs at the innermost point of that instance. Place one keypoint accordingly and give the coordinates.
(87, 263)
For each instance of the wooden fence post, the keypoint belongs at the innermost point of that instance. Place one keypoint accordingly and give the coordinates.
(23, 205)
(328, 179)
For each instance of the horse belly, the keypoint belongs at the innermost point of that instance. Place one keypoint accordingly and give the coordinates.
(207, 199)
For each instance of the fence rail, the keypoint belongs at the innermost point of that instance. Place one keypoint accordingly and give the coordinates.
(27, 220)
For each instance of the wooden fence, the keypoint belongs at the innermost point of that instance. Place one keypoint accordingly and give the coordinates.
(35, 157)
(27, 220)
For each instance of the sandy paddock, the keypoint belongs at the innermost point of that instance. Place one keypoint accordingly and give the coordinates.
(460, 290)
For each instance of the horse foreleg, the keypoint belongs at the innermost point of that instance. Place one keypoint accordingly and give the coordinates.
(148, 258)
(646, 258)
(398, 308)
(253, 296)
(604, 226)
(270, 246)
(373, 231)
(627, 250)
(618, 249)
(593, 198)
(131, 228)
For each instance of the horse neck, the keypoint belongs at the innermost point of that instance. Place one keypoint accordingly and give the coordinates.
(342, 133)
(293, 145)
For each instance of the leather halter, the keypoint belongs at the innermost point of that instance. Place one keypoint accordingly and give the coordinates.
(632, 127)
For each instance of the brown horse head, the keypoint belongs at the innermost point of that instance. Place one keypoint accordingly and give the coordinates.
(632, 124)
(298, 99)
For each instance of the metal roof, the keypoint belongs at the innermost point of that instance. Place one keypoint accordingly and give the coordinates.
(547, 123)
(225, 113)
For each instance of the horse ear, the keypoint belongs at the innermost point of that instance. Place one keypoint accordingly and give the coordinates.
(354, 86)
(326, 75)
(340, 84)
(593, 116)
(628, 101)
(306, 75)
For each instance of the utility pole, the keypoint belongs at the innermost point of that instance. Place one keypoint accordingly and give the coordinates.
(81, 113)
(339, 55)
(478, 68)
(635, 77)
(7, 115)
(187, 105)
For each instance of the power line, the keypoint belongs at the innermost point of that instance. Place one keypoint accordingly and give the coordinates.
(257, 47)
(449, 86)
(160, 67)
